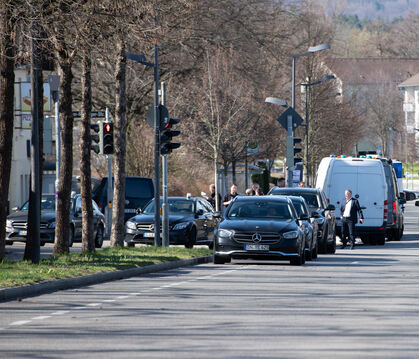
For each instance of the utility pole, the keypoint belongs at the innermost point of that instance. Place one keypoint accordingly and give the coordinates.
(165, 207)
(109, 193)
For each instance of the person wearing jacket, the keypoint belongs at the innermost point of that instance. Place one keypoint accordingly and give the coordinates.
(349, 211)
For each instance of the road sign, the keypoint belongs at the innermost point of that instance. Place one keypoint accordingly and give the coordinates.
(93, 114)
(164, 115)
(296, 118)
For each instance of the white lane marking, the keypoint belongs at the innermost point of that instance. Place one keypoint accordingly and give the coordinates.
(135, 294)
(354, 262)
(41, 317)
(20, 322)
(1, 328)
(109, 300)
(78, 308)
(122, 297)
(60, 312)
(94, 304)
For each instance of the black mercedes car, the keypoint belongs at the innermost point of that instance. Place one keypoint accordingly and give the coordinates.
(317, 202)
(17, 222)
(191, 221)
(265, 227)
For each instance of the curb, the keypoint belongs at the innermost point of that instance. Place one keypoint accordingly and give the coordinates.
(76, 282)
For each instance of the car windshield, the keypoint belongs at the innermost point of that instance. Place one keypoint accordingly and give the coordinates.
(260, 210)
(176, 206)
(47, 204)
(299, 207)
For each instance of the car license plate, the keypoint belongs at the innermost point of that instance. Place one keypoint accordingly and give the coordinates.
(130, 210)
(256, 247)
(22, 233)
(149, 235)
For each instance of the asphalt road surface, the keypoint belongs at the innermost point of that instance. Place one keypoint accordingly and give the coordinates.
(354, 304)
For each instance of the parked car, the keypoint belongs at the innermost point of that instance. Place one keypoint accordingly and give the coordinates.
(138, 192)
(17, 222)
(324, 216)
(191, 221)
(265, 227)
(367, 180)
(311, 227)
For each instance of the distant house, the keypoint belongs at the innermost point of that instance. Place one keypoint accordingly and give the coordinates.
(411, 103)
(359, 77)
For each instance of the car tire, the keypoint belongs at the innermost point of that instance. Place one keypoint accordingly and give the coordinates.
(401, 231)
(211, 245)
(71, 237)
(99, 236)
(220, 259)
(300, 260)
(381, 239)
(315, 251)
(331, 248)
(308, 255)
(323, 245)
(191, 238)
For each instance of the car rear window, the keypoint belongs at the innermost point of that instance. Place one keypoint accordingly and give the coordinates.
(138, 188)
(312, 199)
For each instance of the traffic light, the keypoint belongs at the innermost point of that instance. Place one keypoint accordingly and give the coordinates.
(95, 138)
(167, 134)
(297, 150)
(106, 138)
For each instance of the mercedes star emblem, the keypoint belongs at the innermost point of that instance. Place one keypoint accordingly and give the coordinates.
(257, 237)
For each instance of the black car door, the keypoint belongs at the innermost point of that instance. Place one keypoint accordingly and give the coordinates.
(77, 217)
(210, 221)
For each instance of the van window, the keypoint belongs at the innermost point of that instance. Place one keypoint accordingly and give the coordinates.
(138, 188)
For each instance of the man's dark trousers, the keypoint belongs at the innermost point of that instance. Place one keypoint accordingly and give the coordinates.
(348, 227)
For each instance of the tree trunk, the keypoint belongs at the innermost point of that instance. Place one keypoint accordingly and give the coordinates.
(62, 228)
(233, 172)
(7, 78)
(88, 240)
(118, 208)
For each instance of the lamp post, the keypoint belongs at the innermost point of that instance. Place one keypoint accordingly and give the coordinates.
(306, 87)
(311, 50)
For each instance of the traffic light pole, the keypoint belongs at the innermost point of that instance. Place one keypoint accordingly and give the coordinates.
(157, 239)
(165, 208)
(109, 193)
(290, 150)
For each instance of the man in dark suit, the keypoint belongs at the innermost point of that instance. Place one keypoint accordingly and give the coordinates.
(349, 210)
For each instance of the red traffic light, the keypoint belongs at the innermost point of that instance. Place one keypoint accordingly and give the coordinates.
(108, 127)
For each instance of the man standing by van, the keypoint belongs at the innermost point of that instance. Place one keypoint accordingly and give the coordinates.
(349, 210)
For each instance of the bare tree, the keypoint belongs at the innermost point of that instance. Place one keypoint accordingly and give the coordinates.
(7, 61)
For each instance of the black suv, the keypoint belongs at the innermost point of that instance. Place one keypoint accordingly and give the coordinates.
(138, 192)
(317, 202)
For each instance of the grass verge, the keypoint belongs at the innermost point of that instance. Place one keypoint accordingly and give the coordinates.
(77, 264)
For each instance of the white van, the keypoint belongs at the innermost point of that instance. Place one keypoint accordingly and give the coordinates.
(366, 179)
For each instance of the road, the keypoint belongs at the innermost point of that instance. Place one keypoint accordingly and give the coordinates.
(354, 304)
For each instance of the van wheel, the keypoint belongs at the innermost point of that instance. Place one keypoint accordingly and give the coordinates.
(381, 239)
(372, 239)
(365, 239)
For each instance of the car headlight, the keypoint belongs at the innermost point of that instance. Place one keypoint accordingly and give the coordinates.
(290, 235)
(225, 233)
(131, 225)
(51, 225)
(180, 226)
(9, 223)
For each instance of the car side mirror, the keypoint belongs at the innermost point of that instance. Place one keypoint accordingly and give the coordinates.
(15, 209)
(138, 211)
(363, 207)
(403, 201)
(217, 215)
(331, 207)
(315, 214)
(303, 217)
(200, 212)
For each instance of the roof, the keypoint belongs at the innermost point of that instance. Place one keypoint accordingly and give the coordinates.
(367, 71)
(413, 81)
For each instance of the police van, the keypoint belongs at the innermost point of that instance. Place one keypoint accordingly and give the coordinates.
(365, 177)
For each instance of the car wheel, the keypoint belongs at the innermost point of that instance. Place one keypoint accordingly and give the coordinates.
(331, 248)
(220, 259)
(191, 238)
(297, 261)
(308, 254)
(401, 231)
(381, 239)
(71, 237)
(99, 237)
(211, 245)
(323, 245)
(315, 251)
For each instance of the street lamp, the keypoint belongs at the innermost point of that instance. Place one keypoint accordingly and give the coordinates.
(306, 87)
(311, 50)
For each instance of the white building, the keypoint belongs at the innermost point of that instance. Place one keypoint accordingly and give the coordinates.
(22, 131)
(411, 104)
